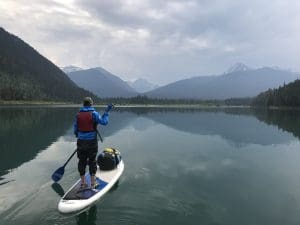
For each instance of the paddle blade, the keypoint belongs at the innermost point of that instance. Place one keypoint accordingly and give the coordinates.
(57, 175)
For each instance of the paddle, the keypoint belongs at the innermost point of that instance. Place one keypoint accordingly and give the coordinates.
(58, 174)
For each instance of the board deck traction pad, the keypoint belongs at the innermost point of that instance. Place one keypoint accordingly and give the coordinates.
(77, 193)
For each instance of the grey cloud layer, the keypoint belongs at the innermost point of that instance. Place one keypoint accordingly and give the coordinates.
(162, 41)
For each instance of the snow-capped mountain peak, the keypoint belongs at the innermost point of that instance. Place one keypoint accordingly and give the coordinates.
(69, 69)
(237, 68)
(142, 85)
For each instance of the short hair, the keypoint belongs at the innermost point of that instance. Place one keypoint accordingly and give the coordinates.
(87, 101)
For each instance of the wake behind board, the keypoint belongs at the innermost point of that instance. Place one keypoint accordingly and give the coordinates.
(77, 199)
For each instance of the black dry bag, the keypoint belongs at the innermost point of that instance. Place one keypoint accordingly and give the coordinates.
(109, 159)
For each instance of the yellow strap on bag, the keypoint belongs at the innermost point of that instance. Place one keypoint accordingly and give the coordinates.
(112, 151)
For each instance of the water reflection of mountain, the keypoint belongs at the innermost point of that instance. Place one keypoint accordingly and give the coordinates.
(24, 132)
(117, 120)
(237, 125)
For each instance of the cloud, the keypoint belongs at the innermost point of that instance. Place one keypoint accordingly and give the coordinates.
(164, 40)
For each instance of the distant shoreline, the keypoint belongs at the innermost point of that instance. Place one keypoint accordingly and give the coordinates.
(68, 104)
(20, 104)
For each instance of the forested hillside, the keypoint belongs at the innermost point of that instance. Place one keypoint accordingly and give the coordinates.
(287, 95)
(27, 75)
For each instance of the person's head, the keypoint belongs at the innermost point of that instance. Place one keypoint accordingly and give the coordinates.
(87, 101)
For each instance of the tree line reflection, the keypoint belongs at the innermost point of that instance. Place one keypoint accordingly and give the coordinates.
(26, 131)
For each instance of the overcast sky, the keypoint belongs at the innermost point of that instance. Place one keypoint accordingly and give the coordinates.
(160, 40)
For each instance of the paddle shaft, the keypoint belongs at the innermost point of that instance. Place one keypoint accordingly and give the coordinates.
(70, 158)
(99, 135)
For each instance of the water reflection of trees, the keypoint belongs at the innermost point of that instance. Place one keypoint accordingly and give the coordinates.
(287, 120)
(24, 132)
(237, 122)
(238, 125)
(89, 217)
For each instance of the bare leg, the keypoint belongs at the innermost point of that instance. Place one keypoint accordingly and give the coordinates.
(93, 180)
(82, 179)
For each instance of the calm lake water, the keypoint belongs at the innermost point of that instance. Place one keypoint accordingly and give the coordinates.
(212, 167)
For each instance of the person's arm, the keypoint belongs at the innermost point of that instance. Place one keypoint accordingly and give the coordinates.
(103, 120)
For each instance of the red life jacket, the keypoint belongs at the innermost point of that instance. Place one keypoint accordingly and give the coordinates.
(85, 122)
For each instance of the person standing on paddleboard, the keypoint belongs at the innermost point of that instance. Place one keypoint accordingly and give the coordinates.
(85, 129)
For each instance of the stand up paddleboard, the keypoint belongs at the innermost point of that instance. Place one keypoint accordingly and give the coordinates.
(77, 199)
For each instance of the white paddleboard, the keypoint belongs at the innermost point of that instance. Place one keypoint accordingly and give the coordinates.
(77, 199)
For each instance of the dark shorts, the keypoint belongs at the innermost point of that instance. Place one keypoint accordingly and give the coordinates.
(86, 152)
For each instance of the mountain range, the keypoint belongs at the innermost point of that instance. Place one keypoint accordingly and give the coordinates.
(105, 84)
(240, 82)
(102, 83)
(27, 75)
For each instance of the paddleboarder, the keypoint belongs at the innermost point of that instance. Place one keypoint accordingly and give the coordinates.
(85, 129)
